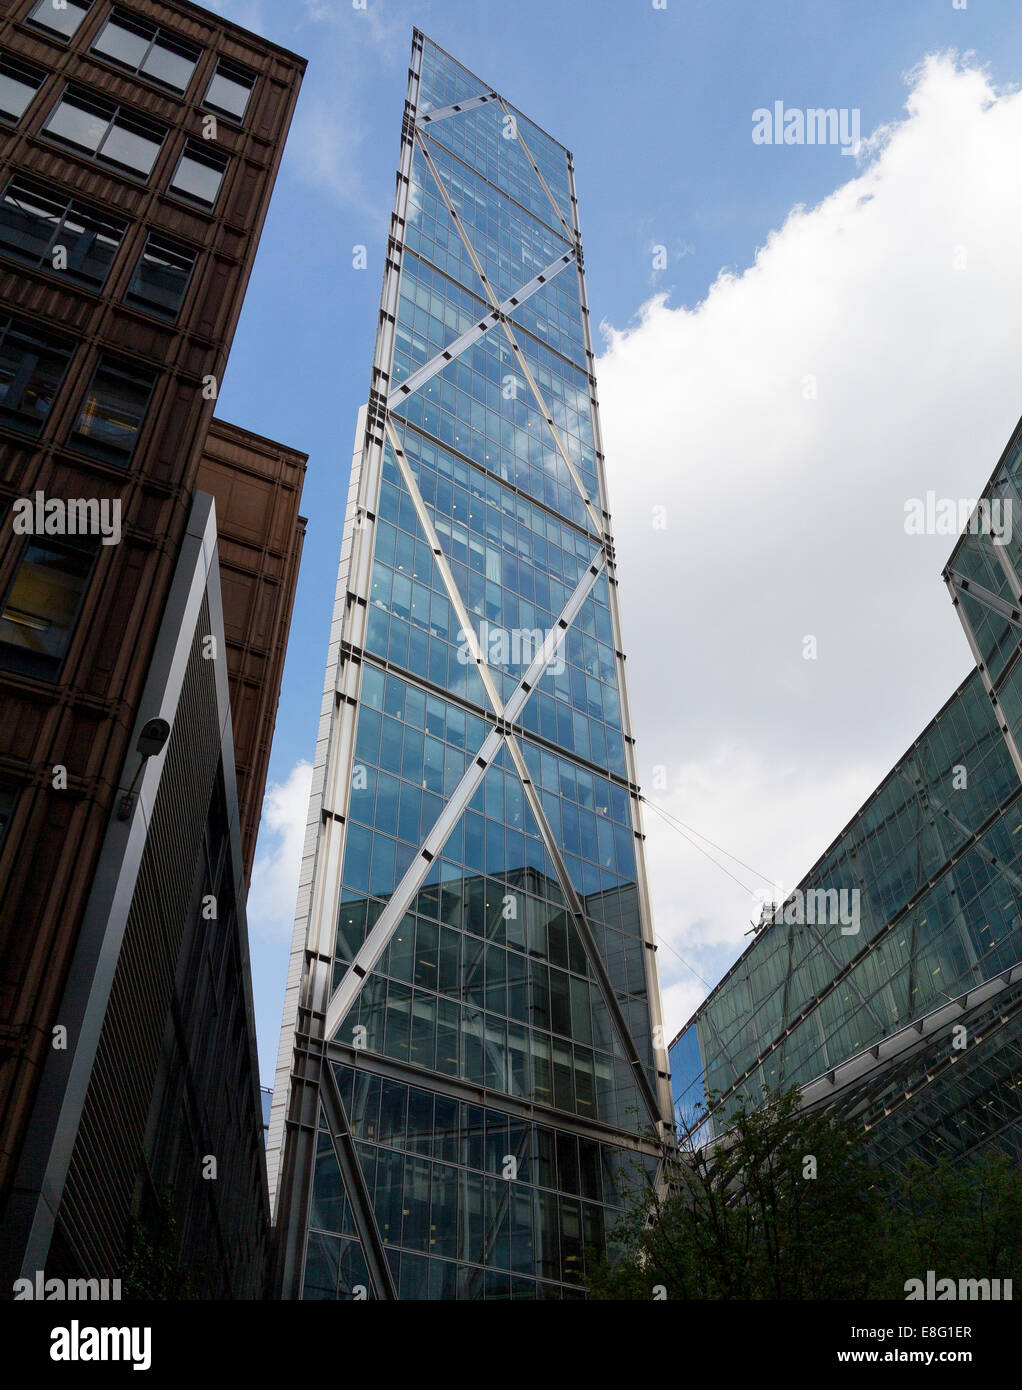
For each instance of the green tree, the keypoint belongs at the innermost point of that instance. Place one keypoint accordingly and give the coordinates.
(963, 1222)
(786, 1207)
(151, 1269)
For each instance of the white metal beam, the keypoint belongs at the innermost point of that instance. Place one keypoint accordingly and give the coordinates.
(568, 230)
(375, 943)
(471, 336)
(441, 113)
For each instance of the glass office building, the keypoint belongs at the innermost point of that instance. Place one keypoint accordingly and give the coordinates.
(907, 1012)
(471, 1075)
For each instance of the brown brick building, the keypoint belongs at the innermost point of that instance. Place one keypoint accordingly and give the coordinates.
(139, 145)
(257, 485)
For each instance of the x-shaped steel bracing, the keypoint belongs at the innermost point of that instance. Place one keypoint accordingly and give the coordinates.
(504, 716)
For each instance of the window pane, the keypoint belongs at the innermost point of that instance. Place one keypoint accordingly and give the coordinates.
(131, 147)
(39, 610)
(28, 222)
(74, 121)
(61, 18)
(197, 178)
(161, 277)
(147, 49)
(100, 127)
(167, 65)
(229, 91)
(56, 234)
(114, 409)
(123, 42)
(31, 370)
(90, 246)
(18, 85)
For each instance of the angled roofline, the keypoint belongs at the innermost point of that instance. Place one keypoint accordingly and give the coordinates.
(487, 87)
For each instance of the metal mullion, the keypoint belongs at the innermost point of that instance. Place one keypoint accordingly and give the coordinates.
(357, 1191)
(503, 482)
(561, 449)
(436, 364)
(444, 570)
(376, 942)
(849, 978)
(1009, 570)
(603, 981)
(988, 599)
(535, 169)
(1014, 752)
(501, 192)
(553, 640)
(538, 281)
(458, 225)
(517, 1108)
(505, 1203)
(471, 336)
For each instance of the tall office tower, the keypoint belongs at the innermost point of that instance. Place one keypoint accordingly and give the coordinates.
(468, 1078)
(888, 986)
(139, 147)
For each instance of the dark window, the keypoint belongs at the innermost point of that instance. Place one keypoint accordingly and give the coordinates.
(161, 277)
(229, 90)
(199, 174)
(144, 48)
(41, 605)
(18, 85)
(8, 796)
(109, 132)
(62, 16)
(113, 410)
(32, 366)
(54, 232)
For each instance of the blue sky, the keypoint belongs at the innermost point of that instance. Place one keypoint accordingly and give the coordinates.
(657, 107)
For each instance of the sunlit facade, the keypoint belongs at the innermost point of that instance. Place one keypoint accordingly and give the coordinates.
(468, 1081)
(912, 1022)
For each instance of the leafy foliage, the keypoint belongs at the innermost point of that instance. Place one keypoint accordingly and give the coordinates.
(786, 1206)
(151, 1269)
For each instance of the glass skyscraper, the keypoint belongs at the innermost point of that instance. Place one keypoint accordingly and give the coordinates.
(472, 1072)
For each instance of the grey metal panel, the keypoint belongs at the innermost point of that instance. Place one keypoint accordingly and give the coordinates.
(46, 1156)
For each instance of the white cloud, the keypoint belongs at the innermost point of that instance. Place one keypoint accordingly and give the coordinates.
(326, 147)
(274, 886)
(785, 515)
